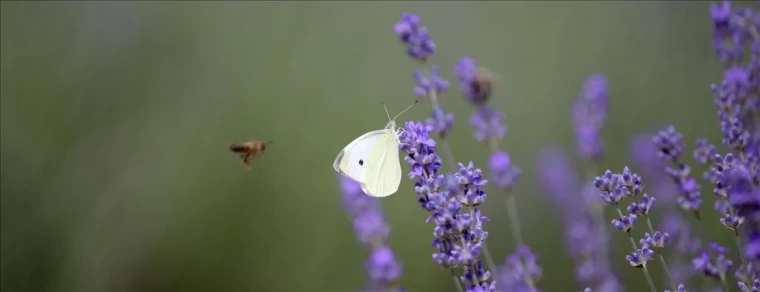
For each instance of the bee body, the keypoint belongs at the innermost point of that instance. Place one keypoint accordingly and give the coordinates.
(482, 85)
(249, 150)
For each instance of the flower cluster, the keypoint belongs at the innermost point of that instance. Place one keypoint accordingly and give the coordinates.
(430, 87)
(736, 174)
(453, 200)
(383, 267)
(520, 272)
(419, 46)
(589, 116)
(476, 86)
(579, 205)
(670, 148)
(616, 187)
(458, 235)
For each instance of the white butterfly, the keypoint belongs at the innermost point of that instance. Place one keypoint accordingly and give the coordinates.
(372, 159)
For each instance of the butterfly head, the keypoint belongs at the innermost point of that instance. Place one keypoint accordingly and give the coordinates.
(392, 121)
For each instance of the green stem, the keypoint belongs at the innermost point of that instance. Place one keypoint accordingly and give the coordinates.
(456, 281)
(644, 265)
(723, 281)
(514, 218)
(732, 213)
(662, 259)
(744, 260)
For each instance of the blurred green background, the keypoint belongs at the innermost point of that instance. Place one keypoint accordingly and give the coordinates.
(116, 117)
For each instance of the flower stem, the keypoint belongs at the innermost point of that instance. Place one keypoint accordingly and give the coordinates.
(732, 212)
(662, 259)
(514, 218)
(723, 282)
(449, 154)
(636, 249)
(744, 260)
(456, 281)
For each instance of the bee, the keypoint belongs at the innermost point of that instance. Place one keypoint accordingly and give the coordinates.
(249, 150)
(481, 87)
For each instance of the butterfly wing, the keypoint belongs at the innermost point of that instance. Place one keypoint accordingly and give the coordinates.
(351, 161)
(383, 172)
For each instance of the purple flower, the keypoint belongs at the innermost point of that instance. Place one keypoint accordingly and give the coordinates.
(641, 207)
(426, 87)
(472, 182)
(487, 124)
(503, 173)
(474, 83)
(458, 235)
(520, 272)
(382, 266)
(558, 178)
(625, 223)
(741, 273)
(670, 147)
(654, 242)
(713, 266)
(589, 115)
(616, 186)
(752, 250)
(669, 144)
(755, 286)
(365, 211)
(704, 152)
(684, 242)
(416, 38)
(441, 122)
(640, 257)
(644, 154)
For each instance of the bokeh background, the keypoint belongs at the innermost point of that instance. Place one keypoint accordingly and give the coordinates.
(116, 117)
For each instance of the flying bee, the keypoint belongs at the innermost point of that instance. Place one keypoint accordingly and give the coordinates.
(249, 150)
(481, 87)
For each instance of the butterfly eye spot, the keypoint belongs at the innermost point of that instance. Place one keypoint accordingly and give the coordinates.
(361, 162)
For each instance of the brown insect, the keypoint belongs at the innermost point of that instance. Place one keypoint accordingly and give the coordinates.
(482, 85)
(249, 150)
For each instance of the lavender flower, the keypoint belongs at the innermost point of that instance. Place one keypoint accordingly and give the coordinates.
(416, 38)
(430, 86)
(382, 266)
(670, 148)
(520, 272)
(503, 173)
(586, 241)
(640, 257)
(476, 87)
(715, 264)
(629, 184)
(488, 124)
(441, 122)
(755, 286)
(589, 116)
(459, 236)
(742, 276)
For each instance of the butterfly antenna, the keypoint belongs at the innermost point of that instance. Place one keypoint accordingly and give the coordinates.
(407, 108)
(270, 142)
(386, 110)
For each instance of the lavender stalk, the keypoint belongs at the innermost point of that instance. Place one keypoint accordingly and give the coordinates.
(420, 47)
(383, 268)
